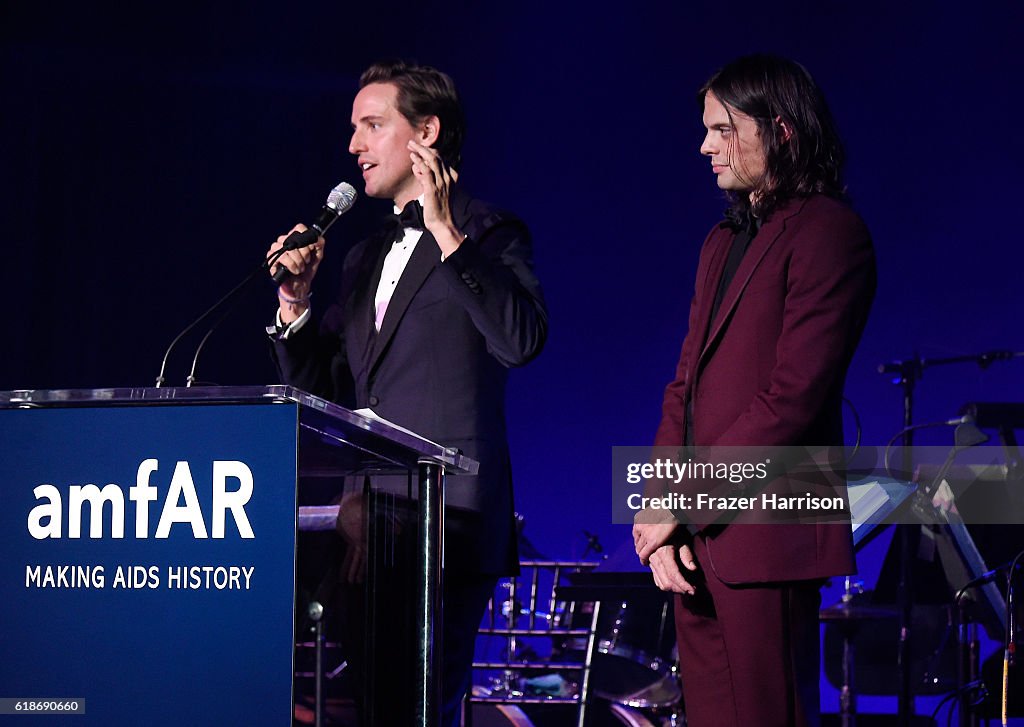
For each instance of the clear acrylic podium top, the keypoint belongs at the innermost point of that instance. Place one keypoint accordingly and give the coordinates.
(332, 439)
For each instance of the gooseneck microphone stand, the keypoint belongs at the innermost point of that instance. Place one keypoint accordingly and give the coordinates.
(262, 268)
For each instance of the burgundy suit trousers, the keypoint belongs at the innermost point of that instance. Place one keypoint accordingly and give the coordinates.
(748, 653)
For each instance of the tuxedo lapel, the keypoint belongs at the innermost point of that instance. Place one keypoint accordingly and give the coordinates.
(425, 258)
(359, 327)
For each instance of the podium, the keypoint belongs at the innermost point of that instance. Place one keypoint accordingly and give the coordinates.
(148, 540)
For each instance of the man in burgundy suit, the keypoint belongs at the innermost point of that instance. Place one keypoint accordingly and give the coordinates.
(783, 289)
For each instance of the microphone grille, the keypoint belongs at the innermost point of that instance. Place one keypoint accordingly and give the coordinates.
(342, 198)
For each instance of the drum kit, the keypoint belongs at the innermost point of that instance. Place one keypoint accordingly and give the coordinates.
(577, 646)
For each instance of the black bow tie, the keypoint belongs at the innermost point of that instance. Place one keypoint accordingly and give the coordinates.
(411, 216)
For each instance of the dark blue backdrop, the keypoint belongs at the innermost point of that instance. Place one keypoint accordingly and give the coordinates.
(149, 157)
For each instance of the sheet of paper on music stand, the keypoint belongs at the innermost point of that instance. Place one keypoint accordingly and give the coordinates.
(872, 501)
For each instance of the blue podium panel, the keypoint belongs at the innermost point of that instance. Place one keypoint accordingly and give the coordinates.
(147, 561)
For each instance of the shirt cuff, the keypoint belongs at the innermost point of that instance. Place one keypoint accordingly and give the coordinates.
(281, 332)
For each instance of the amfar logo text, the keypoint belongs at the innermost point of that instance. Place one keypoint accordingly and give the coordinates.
(45, 519)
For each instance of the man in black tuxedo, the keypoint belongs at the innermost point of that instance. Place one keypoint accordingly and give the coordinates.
(432, 312)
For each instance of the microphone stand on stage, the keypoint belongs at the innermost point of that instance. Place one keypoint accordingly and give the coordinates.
(908, 373)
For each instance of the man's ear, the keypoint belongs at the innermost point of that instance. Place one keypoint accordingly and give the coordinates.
(787, 132)
(429, 131)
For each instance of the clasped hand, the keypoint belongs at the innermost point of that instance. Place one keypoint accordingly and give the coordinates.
(662, 544)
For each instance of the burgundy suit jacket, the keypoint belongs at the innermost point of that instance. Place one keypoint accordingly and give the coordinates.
(769, 369)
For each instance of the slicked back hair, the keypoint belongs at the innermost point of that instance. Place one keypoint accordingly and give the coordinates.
(770, 89)
(424, 91)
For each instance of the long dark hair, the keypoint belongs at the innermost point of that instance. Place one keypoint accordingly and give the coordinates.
(769, 88)
(424, 91)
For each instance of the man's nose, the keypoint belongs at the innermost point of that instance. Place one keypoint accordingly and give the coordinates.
(355, 144)
(707, 148)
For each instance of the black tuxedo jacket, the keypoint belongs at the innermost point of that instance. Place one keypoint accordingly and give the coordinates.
(439, 364)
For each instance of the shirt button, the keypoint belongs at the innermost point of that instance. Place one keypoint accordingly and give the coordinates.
(374, 401)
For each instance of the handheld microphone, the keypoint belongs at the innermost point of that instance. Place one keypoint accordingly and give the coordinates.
(339, 201)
